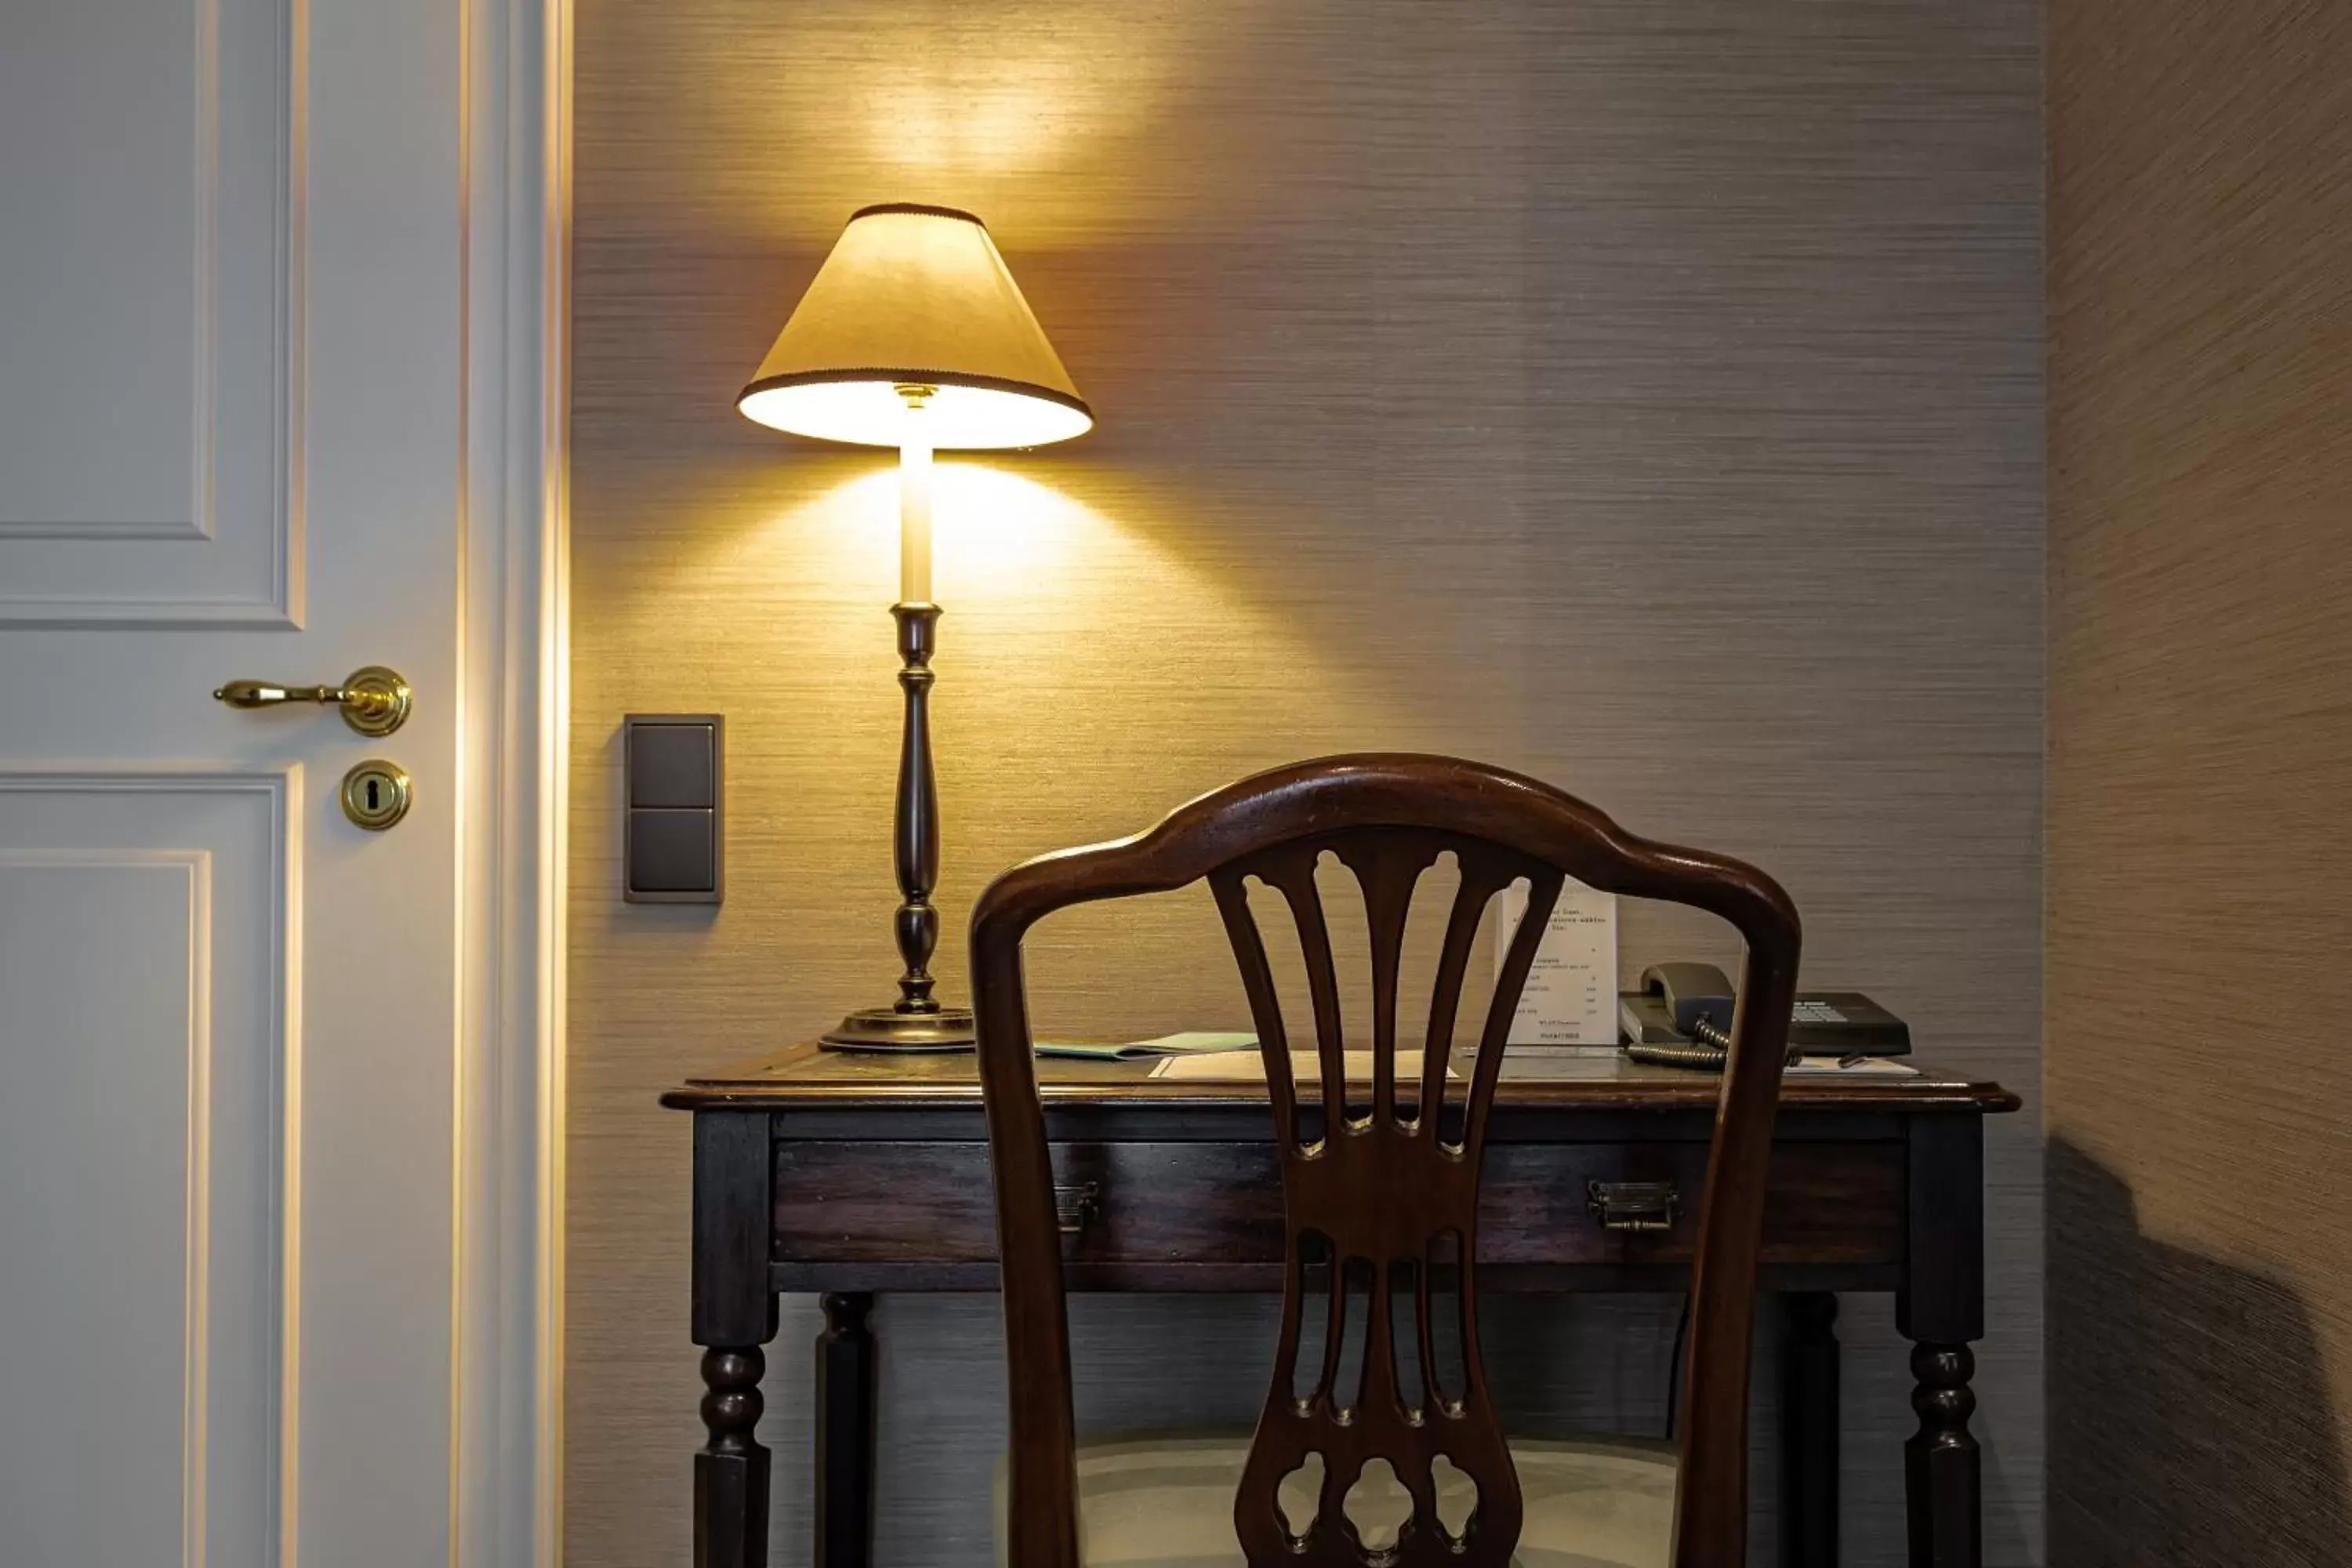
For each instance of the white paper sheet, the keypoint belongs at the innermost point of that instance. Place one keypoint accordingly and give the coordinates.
(1572, 995)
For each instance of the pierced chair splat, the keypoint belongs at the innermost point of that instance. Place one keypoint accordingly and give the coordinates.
(1381, 1184)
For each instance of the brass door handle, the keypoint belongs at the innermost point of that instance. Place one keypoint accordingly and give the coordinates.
(374, 701)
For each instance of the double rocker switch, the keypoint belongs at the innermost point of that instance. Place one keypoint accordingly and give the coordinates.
(674, 765)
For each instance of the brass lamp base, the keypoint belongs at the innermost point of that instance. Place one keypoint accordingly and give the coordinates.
(886, 1029)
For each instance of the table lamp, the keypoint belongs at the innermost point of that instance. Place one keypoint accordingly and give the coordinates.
(914, 335)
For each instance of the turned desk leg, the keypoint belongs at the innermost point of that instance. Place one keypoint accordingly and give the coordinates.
(1940, 1310)
(1940, 1464)
(734, 1315)
(1809, 1432)
(845, 1434)
(730, 1474)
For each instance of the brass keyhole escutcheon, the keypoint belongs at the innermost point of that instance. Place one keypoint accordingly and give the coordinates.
(375, 794)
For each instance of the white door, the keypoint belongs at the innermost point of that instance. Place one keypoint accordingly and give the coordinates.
(231, 379)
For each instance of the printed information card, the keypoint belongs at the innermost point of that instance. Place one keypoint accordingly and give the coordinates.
(1572, 995)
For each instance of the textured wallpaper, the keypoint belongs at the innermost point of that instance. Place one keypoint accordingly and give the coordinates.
(1642, 394)
(2201, 756)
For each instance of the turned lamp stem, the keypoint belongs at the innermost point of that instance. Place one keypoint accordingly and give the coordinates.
(913, 335)
(917, 823)
(916, 1021)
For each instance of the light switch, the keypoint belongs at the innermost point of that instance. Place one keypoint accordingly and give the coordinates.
(672, 783)
(672, 852)
(671, 763)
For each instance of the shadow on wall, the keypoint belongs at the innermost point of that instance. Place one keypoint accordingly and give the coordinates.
(2190, 1415)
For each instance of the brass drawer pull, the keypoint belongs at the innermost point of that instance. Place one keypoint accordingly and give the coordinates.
(1074, 1205)
(1644, 1207)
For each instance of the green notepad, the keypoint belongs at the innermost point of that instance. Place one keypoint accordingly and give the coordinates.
(1176, 1044)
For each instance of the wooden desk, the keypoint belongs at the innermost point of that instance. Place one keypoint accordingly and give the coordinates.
(848, 1175)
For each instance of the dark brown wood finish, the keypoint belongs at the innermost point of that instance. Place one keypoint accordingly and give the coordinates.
(734, 1315)
(730, 1474)
(845, 1392)
(915, 838)
(1383, 1190)
(1215, 1211)
(876, 1181)
(1809, 1425)
(816, 1093)
(1941, 1309)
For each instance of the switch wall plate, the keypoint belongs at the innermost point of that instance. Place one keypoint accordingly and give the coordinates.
(673, 801)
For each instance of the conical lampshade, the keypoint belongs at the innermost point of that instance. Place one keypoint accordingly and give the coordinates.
(915, 295)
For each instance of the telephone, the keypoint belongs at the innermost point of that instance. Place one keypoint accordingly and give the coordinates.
(1682, 1017)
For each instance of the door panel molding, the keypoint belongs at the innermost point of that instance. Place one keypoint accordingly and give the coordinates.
(271, 1066)
(232, 555)
(195, 896)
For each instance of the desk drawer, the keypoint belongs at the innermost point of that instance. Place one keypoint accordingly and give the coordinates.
(1219, 1205)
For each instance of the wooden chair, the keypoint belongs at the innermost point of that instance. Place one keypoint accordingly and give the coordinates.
(1393, 1189)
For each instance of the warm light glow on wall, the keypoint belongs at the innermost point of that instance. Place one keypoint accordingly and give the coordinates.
(1032, 562)
(1000, 532)
(999, 537)
(1029, 112)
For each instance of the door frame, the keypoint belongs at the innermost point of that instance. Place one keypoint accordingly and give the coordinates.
(506, 1371)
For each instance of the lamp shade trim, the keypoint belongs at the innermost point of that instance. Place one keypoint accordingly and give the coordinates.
(925, 208)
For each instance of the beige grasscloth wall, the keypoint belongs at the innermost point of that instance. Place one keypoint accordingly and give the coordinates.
(1644, 394)
(2200, 763)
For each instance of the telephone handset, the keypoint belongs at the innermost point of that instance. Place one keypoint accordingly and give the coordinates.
(1692, 994)
(1682, 1017)
(1694, 1000)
